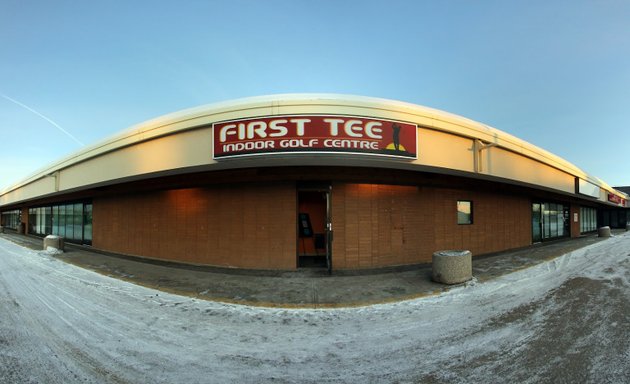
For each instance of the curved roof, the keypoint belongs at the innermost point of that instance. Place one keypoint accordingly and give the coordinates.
(204, 116)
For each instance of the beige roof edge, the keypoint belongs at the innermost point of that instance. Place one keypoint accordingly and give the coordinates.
(160, 126)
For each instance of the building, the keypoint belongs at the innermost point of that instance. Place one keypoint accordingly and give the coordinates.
(616, 218)
(289, 181)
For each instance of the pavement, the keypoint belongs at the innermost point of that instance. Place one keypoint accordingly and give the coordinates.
(304, 288)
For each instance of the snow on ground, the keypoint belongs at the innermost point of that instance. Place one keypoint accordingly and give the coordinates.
(561, 321)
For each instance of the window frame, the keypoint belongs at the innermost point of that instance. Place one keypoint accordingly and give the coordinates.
(66, 219)
(470, 220)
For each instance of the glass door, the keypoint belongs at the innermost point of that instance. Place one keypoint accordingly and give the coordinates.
(536, 223)
(549, 221)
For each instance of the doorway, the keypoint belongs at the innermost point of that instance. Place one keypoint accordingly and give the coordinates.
(549, 221)
(536, 223)
(314, 227)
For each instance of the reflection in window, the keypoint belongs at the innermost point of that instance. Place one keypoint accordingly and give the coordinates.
(70, 221)
(555, 220)
(12, 218)
(87, 223)
(464, 212)
(78, 222)
(588, 219)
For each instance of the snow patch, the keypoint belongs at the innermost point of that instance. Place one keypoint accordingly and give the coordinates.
(52, 251)
(144, 335)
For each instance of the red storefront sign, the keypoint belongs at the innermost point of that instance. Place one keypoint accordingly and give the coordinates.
(616, 199)
(314, 133)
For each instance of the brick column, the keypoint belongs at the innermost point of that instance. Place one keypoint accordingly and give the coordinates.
(575, 224)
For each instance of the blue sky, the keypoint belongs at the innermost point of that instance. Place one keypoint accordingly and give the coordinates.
(554, 73)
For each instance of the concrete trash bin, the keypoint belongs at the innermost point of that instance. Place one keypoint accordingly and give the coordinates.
(603, 232)
(53, 242)
(452, 267)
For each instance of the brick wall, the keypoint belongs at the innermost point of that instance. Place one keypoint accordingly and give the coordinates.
(243, 225)
(381, 225)
(254, 225)
(500, 222)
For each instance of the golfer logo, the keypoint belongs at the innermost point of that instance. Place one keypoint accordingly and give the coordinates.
(395, 145)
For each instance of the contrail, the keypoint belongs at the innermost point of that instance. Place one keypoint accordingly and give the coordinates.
(43, 117)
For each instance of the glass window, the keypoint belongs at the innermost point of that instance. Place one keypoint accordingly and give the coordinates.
(87, 223)
(40, 220)
(78, 221)
(11, 219)
(69, 222)
(47, 221)
(553, 219)
(588, 219)
(55, 220)
(464, 212)
(62, 221)
(35, 223)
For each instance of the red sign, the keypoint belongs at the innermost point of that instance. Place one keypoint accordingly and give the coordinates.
(314, 133)
(615, 199)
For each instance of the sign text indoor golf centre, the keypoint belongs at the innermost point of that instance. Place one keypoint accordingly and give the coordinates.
(316, 133)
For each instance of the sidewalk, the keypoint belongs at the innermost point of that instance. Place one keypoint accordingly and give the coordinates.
(297, 289)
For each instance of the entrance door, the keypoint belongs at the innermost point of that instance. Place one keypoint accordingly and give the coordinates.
(314, 242)
(537, 223)
(549, 221)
